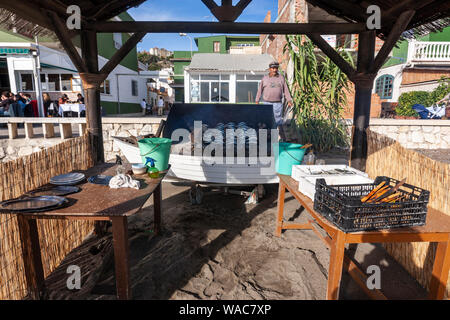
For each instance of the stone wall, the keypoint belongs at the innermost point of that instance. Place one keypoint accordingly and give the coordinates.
(124, 127)
(414, 134)
(11, 149)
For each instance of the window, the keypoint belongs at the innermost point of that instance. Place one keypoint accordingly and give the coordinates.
(66, 82)
(134, 88)
(384, 86)
(26, 82)
(117, 40)
(44, 82)
(216, 46)
(53, 82)
(247, 87)
(105, 87)
(210, 88)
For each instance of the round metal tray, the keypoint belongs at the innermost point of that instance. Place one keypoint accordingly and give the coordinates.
(53, 191)
(100, 179)
(33, 204)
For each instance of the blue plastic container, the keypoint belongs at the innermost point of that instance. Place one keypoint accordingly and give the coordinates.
(288, 155)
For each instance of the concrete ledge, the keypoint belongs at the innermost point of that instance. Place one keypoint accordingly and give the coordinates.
(108, 120)
(403, 122)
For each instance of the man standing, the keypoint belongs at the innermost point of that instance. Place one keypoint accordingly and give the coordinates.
(143, 107)
(273, 89)
(160, 106)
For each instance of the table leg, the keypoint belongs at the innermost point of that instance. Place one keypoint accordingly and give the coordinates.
(120, 240)
(439, 277)
(281, 194)
(336, 263)
(157, 199)
(31, 252)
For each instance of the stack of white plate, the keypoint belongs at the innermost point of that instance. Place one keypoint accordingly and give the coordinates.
(67, 179)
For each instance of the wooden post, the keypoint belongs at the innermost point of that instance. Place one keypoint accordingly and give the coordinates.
(29, 134)
(363, 81)
(92, 93)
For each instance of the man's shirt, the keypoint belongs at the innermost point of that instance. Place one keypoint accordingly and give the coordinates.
(272, 89)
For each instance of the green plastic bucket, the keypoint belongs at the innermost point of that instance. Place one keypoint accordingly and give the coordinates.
(158, 149)
(288, 155)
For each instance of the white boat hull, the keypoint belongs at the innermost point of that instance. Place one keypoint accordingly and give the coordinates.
(243, 171)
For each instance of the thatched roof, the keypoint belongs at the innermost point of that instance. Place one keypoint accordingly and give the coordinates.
(431, 15)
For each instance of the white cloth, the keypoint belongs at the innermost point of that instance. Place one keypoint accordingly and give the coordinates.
(160, 103)
(74, 107)
(124, 181)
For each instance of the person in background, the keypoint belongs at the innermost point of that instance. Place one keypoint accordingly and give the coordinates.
(28, 111)
(160, 106)
(5, 103)
(47, 101)
(80, 99)
(18, 106)
(446, 101)
(143, 107)
(272, 89)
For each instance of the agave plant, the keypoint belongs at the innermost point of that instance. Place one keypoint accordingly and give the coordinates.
(319, 91)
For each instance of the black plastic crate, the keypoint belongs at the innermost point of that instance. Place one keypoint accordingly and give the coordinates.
(341, 204)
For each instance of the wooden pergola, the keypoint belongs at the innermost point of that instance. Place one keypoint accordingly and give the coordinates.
(397, 18)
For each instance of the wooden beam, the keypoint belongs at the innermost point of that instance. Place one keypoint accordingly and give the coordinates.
(61, 31)
(121, 53)
(399, 27)
(114, 8)
(243, 4)
(404, 5)
(346, 8)
(210, 4)
(228, 27)
(333, 55)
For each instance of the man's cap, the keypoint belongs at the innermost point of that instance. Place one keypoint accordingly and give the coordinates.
(274, 64)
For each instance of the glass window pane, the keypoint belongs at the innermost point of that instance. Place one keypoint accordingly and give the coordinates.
(134, 88)
(53, 82)
(225, 77)
(240, 77)
(210, 77)
(204, 92)
(43, 82)
(195, 91)
(224, 92)
(107, 87)
(215, 93)
(66, 80)
(27, 82)
(195, 76)
(246, 91)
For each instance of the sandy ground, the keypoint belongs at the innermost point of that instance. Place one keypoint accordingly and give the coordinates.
(223, 249)
(442, 155)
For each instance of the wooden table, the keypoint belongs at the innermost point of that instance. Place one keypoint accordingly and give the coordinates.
(437, 229)
(99, 203)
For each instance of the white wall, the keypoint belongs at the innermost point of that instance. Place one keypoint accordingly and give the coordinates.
(397, 72)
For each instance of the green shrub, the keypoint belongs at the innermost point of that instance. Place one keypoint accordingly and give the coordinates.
(442, 90)
(408, 99)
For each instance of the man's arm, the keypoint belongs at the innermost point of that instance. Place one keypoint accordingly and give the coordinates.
(287, 95)
(259, 93)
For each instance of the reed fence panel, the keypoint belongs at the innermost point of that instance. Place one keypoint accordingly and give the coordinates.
(57, 237)
(388, 158)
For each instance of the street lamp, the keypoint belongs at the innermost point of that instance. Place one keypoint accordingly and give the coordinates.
(182, 34)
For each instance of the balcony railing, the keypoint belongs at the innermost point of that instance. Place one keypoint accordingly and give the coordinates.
(428, 51)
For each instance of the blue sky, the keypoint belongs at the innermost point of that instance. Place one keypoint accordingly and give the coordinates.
(189, 10)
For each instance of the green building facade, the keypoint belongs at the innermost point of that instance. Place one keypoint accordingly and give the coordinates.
(213, 44)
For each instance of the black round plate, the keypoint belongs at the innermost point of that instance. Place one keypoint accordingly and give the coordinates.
(54, 191)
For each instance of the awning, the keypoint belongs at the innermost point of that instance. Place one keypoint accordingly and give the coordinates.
(45, 65)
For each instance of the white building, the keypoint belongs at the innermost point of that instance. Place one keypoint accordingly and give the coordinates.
(224, 78)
